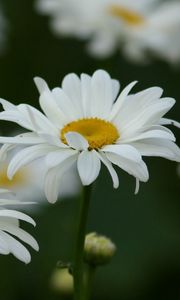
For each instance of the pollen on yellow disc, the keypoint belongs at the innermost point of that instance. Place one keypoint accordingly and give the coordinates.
(18, 179)
(130, 17)
(97, 132)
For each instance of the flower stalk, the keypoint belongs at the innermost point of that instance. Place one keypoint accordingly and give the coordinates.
(78, 273)
(90, 271)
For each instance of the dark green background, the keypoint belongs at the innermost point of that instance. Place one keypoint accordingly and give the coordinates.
(146, 227)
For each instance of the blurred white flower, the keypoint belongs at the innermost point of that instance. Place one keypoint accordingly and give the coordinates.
(85, 124)
(27, 183)
(10, 230)
(137, 27)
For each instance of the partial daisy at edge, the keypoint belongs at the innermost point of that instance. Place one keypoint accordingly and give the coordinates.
(11, 234)
(140, 29)
(88, 122)
(27, 183)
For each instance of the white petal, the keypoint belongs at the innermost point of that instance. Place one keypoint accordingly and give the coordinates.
(136, 103)
(148, 96)
(76, 141)
(38, 121)
(110, 168)
(102, 95)
(143, 98)
(68, 107)
(158, 147)
(26, 156)
(56, 157)
(86, 94)
(4, 151)
(7, 105)
(16, 117)
(20, 233)
(41, 84)
(12, 221)
(51, 185)
(51, 109)
(138, 170)
(28, 117)
(157, 127)
(17, 215)
(165, 121)
(124, 151)
(88, 165)
(4, 202)
(53, 178)
(137, 186)
(16, 248)
(52, 140)
(4, 248)
(115, 88)
(72, 86)
(158, 134)
(23, 139)
(120, 100)
(147, 117)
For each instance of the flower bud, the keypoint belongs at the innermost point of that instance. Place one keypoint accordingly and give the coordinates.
(62, 281)
(98, 249)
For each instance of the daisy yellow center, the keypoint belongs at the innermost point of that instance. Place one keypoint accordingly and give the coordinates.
(129, 17)
(19, 179)
(97, 132)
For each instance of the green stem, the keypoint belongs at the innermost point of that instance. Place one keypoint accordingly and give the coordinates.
(89, 280)
(79, 252)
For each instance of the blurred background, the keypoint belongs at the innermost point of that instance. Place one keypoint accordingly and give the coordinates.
(145, 228)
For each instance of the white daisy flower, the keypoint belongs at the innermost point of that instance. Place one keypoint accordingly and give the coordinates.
(10, 230)
(87, 123)
(136, 27)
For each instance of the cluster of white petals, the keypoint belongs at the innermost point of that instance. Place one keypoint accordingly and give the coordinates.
(87, 122)
(137, 27)
(11, 233)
